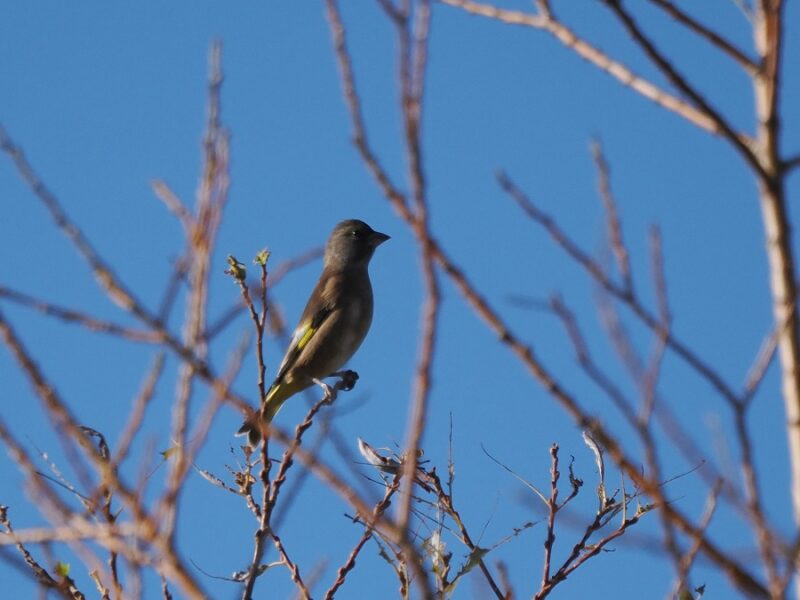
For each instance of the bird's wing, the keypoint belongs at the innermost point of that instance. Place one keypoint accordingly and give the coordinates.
(302, 335)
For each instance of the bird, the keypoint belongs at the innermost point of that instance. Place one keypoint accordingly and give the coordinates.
(335, 321)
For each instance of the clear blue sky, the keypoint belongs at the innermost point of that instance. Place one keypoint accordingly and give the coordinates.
(105, 99)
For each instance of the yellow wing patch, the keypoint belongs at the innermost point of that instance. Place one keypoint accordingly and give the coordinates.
(307, 335)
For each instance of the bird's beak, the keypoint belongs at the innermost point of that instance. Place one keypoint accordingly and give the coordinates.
(377, 238)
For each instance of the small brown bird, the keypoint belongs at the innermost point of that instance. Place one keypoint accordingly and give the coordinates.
(334, 323)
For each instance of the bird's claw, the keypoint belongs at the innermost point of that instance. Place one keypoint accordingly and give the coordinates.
(347, 379)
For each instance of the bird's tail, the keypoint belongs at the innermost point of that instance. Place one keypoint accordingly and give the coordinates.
(252, 429)
(276, 395)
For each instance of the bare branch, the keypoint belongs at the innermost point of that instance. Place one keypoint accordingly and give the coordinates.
(65, 422)
(66, 586)
(211, 199)
(277, 274)
(712, 37)
(613, 226)
(292, 566)
(552, 509)
(170, 199)
(76, 317)
(379, 509)
(595, 56)
(597, 273)
(137, 414)
(105, 276)
(742, 143)
(412, 84)
(689, 557)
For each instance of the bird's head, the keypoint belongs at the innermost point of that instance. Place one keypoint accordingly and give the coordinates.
(352, 244)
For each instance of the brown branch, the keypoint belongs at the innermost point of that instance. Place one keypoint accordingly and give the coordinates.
(596, 57)
(105, 594)
(350, 562)
(292, 566)
(180, 268)
(272, 489)
(735, 571)
(764, 356)
(587, 363)
(140, 404)
(687, 560)
(66, 586)
(631, 301)
(108, 515)
(337, 484)
(412, 85)
(64, 422)
(669, 423)
(445, 502)
(502, 569)
(762, 533)
(103, 273)
(790, 163)
(652, 372)
(78, 528)
(170, 199)
(582, 551)
(712, 37)
(768, 33)
(552, 509)
(613, 224)
(591, 552)
(276, 275)
(261, 534)
(106, 278)
(353, 103)
(204, 422)
(398, 200)
(211, 199)
(288, 456)
(649, 383)
(239, 274)
(50, 502)
(77, 317)
(743, 144)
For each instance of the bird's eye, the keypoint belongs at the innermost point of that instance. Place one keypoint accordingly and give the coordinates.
(354, 233)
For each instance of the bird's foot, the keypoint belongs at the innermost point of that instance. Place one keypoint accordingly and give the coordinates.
(347, 379)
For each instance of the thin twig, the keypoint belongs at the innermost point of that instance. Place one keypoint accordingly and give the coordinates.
(66, 586)
(552, 509)
(598, 275)
(595, 56)
(614, 226)
(350, 562)
(65, 422)
(77, 317)
(105, 276)
(412, 85)
(445, 502)
(687, 560)
(175, 205)
(712, 37)
(741, 143)
(211, 199)
(292, 566)
(140, 404)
